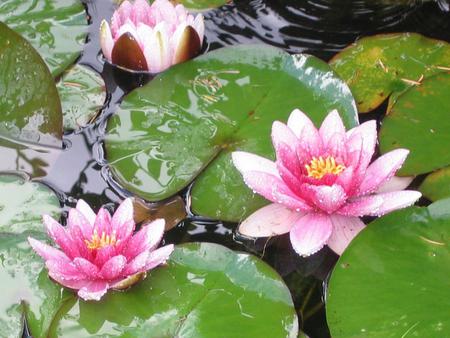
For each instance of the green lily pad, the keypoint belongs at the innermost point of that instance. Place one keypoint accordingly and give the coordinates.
(201, 5)
(29, 102)
(22, 204)
(186, 122)
(419, 121)
(436, 185)
(393, 279)
(82, 94)
(56, 28)
(26, 289)
(376, 67)
(206, 290)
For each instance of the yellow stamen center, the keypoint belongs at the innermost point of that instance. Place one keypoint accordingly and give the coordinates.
(319, 167)
(98, 242)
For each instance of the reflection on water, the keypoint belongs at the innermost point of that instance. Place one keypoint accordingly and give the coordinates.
(318, 27)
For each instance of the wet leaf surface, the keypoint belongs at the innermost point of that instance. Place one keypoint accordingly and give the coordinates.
(186, 122)
(377, 66)
(56, 28)
(436, 185)
(82, 94)
(29, 102)
(23, 202)
(419, 121)
(206, 290)
(201, 4)
(392, 281)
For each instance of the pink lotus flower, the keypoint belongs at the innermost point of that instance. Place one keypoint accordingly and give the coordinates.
(99, 252)
(153, 37)
(321, 183)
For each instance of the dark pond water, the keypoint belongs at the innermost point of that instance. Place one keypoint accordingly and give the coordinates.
(318, 27)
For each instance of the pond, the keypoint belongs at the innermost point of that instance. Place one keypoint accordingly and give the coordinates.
(167, 140)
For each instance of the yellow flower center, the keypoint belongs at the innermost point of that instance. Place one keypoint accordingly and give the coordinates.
(98, 242)
(319, 167)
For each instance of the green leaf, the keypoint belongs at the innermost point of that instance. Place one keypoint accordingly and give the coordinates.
(186, 122)
(56, 28)
(29, 102)
(82, 93)
(26, 288)
(419, 121)
(393, 279)
(436, 185)
(200, 5)
(22, 204)
(376, 67)
(206, 290)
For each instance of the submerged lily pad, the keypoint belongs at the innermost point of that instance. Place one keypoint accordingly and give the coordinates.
(392, 281)
(29, 102)
(206, 290)
(436, 185)
(186, 122)
(419, 121)
(82, 94)
(22, 204)
(26, 289)
(376, 67)
(56, 28)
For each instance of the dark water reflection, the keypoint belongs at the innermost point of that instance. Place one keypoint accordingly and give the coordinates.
(319, 27)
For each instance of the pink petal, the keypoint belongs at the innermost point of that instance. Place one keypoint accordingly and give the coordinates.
(199, 26)
(368, 133)
(86, 211)
(275, 190)
(142, 13)
(113, 267)
(86, 267)
(104, 254)
(47, 252)
(75, 284)
(382, 170)
(310, 233)
(307, 134)
(294, 183)
(123, 220)
(396, 183)
(327, 198)
(271, 220)
(64, 270)
(94, 290)
(106, 40)
(146, 239)
(157, 52)
(159, 256)
(137, 264)
(345, 180)
(396, 200)
(285, 144)
(59, 235)
(330, 126)
(245, 162)
(165, 11)
(344, 230)
(80, 230)
(361, 206)
(120, 16)
(103, 222)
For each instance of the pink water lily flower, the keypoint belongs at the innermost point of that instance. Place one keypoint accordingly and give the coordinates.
(146, 37)
(99, 252)
(321, 183)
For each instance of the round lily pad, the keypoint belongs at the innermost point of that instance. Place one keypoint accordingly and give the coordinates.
(377, 66)
(392, 281)
(56, 28)
(186, 122)
(29, 102)
(26, 289)
(419, 121)
(22, 204)
(82, 94)
(206, 290)
(436, 185)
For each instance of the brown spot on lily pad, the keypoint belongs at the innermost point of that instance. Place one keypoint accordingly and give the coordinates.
(127, 54)
(173, 211)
